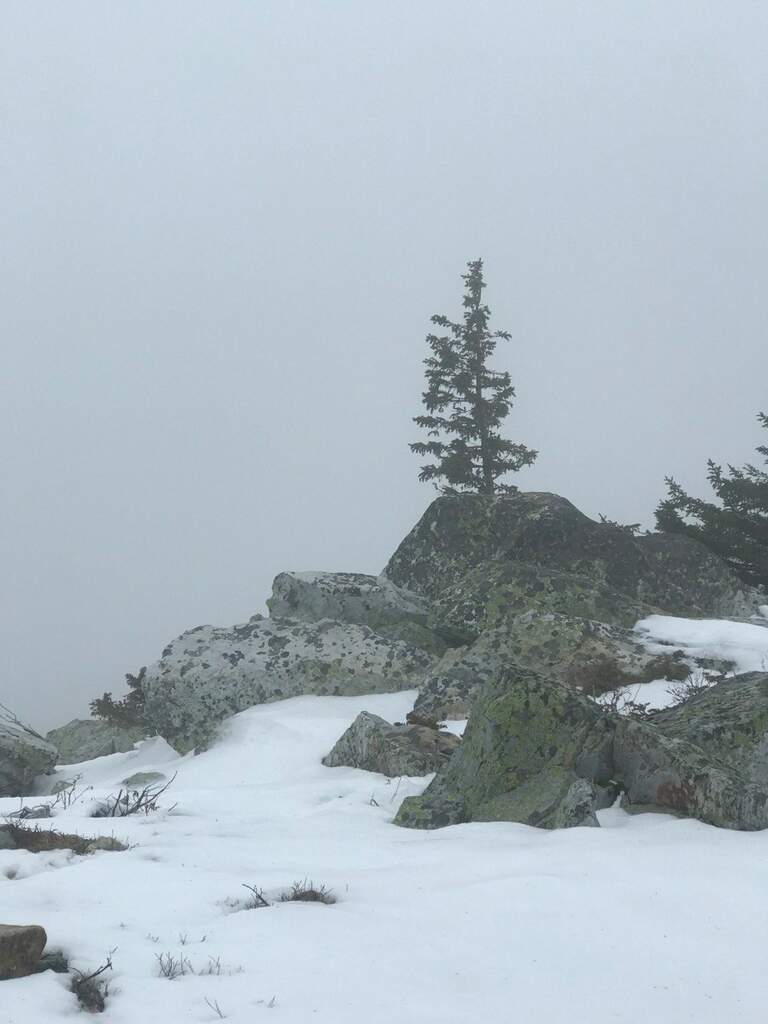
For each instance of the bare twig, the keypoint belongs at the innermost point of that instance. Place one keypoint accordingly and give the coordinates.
(133, 801)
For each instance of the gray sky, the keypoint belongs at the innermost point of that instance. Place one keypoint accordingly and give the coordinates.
(225, 226)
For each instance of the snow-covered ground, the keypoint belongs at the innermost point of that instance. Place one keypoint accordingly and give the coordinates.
(647, 919)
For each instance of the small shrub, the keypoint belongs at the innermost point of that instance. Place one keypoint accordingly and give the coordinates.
(70, 793)
(694, 685)
(256, 900)
(618, 702)
(308, 892)
(92, 990)
(171, 967)
(598, 676)
(132, 801)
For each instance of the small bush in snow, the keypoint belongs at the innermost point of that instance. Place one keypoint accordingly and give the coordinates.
(696, 683)
(70, 793)
(132, 801)
(308, 892)
(171, 967)
(92, 990)
(619, 702)
(256, 900)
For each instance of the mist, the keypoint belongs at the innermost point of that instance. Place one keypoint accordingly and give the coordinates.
(225, 227)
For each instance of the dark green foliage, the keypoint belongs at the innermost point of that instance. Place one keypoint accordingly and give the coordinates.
(466, 402)
(736, 529)
(630, 528)
(128, 712)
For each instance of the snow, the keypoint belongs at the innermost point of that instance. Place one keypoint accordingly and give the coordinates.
(649, 918)
(455, 725)
(742, 643)
(655, 694)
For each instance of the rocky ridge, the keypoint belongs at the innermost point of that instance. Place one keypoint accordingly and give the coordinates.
(485, 600)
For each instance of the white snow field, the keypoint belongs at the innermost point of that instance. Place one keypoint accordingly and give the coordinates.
(648, 919)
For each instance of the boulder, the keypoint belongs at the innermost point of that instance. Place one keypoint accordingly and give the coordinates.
(728, 722)
(593, 656)
(480, 558)
(659, 773)
(527, 744)
(21, 947)
(375, 745)
(83, 739)
(531, 745)
(23, 756)
(212, 672)
(372, 601)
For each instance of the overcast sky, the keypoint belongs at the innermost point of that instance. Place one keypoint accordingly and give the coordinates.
(225, 226)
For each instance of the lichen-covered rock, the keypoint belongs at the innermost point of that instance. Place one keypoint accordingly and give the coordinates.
(729, 722)
(212, 672)
(82, 739)
(660, 773)
(527, 744)
(480, 558)
(490, 593)
(347, 596)
(372, 601)
(531, 744)
(592, 656)
(21, 946)
(23, 756)
(375, 745)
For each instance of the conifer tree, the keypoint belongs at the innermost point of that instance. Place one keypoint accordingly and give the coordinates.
(466, 402)
(128, 712)
(737, 528)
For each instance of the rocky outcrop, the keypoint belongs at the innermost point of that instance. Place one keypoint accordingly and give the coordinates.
(377, 746)
(82, 739)
(21, 947)
(538, 752)
(23, 756)
(372, 601)
(589, 655)
(212, 672)
(527, 745)
(659, 773)
(728, 722)
(480, 560)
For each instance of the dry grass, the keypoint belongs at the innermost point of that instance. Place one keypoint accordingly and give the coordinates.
(308, 892)
(42, 840)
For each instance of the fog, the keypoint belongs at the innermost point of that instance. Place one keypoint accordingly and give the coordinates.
(225, 227)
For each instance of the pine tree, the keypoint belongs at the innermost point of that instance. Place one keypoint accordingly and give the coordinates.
(466, 402)
(737, 528)
(128, 712)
